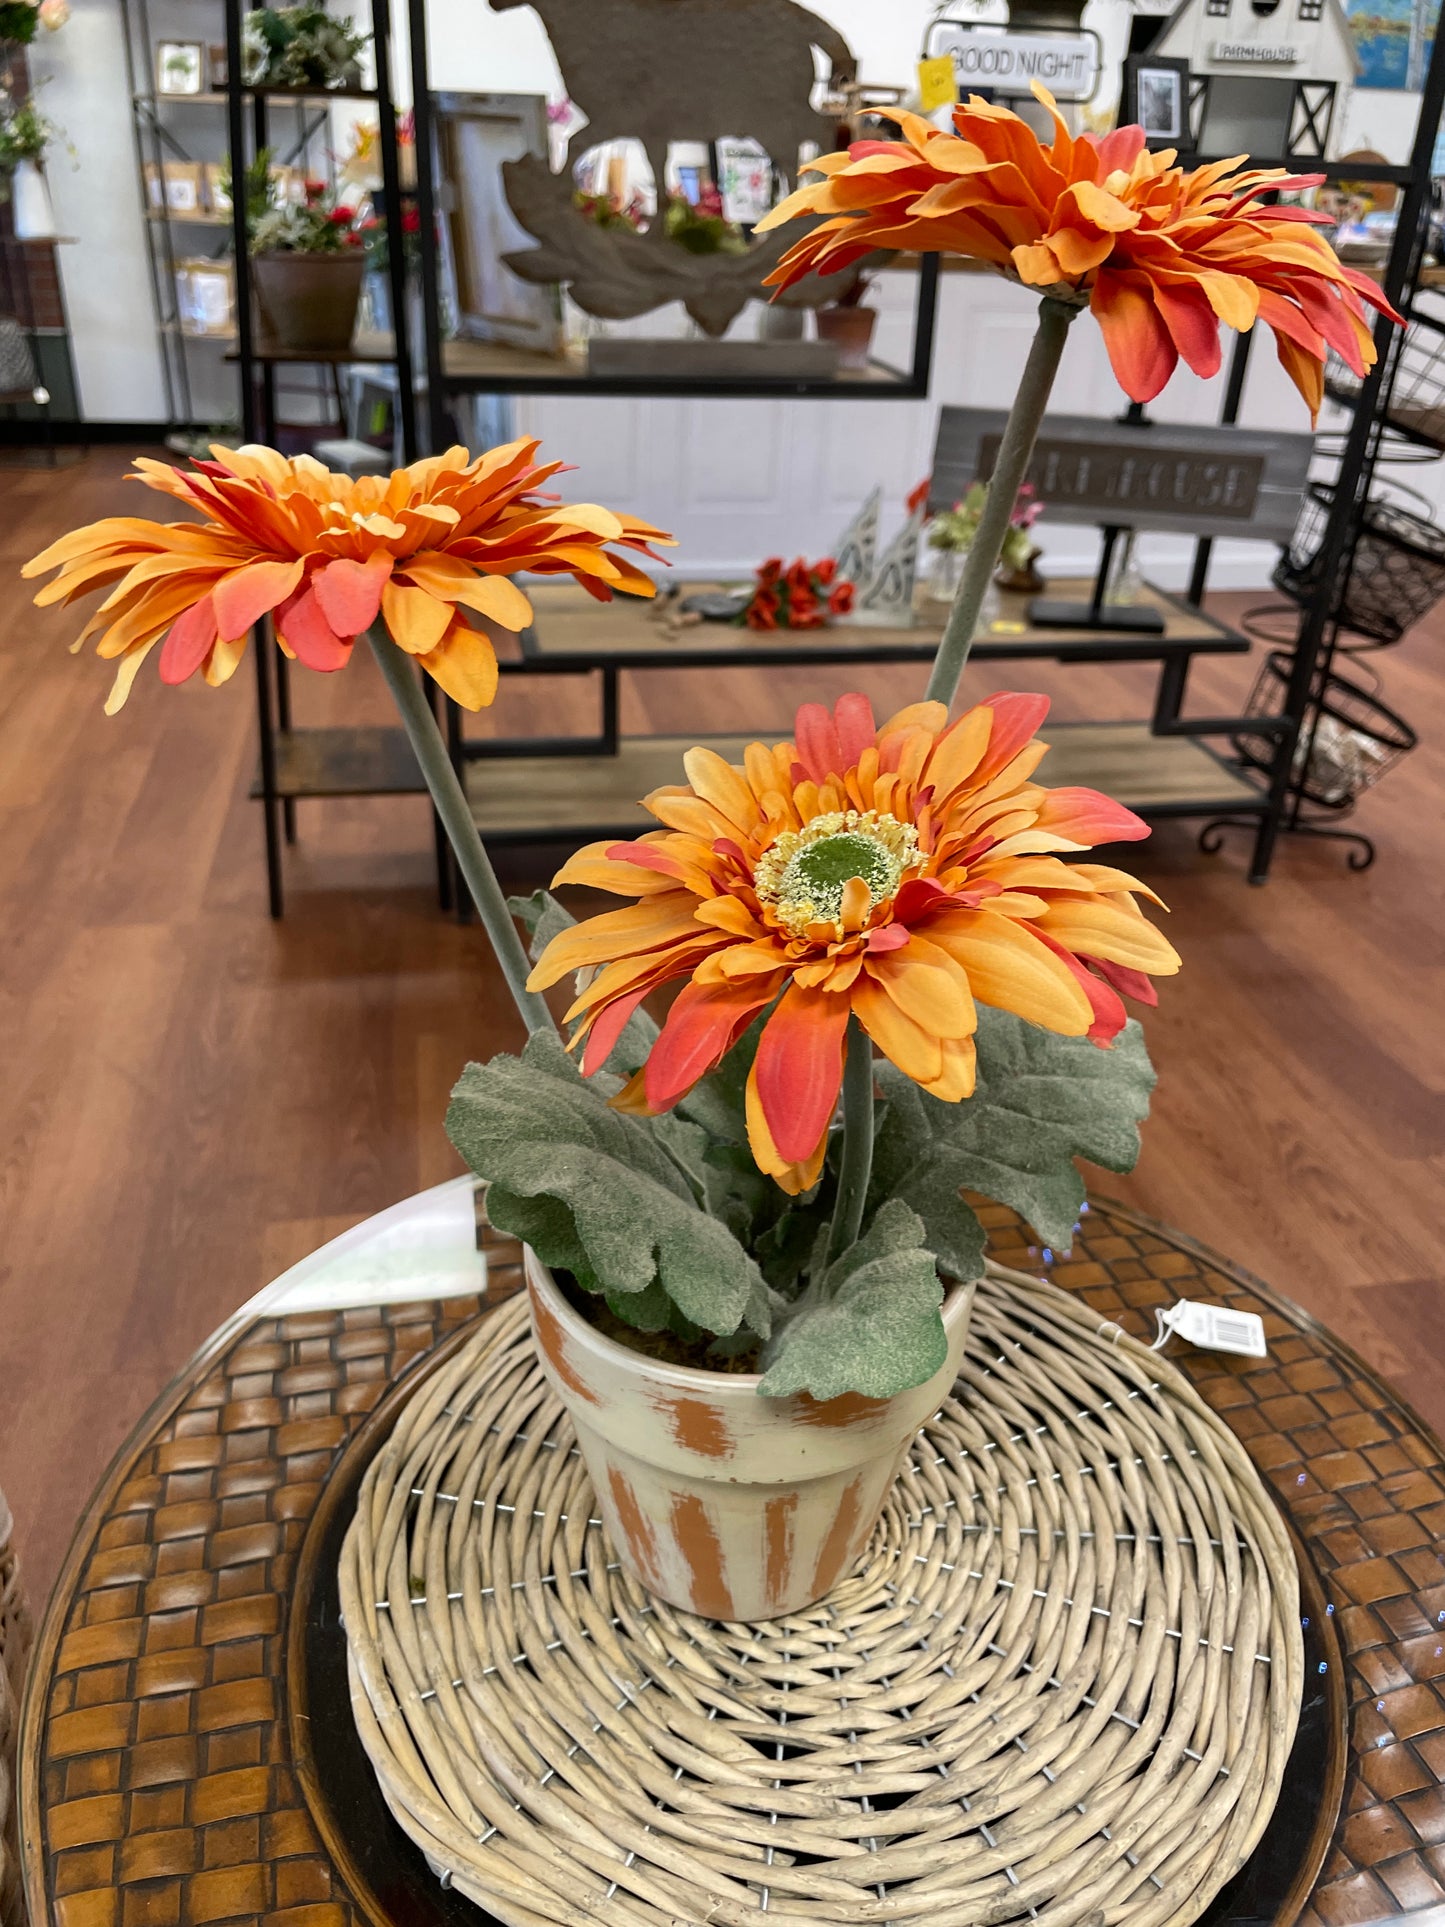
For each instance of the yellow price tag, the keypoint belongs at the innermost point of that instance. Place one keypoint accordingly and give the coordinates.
(937, 86)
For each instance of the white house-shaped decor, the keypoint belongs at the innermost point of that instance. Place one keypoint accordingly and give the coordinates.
(1270, 77)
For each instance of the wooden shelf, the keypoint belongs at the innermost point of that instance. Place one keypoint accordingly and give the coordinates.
(574, 631)
(172, 217)
(363, 348)
(225, 337)
(537, 799)
(345, 762)
(306, 95)
(474, 365)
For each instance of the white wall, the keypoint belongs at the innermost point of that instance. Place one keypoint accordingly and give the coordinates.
(80, 72)
(736, 480)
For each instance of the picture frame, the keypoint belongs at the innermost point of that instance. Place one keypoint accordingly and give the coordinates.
(218, 193)
(183, 183)
(218, 66)
(475, 136)
(180, 67)
(745, 179)
(1156, 97)
(205, 298)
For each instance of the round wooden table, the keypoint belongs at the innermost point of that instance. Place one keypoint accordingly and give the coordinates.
(171, 1773)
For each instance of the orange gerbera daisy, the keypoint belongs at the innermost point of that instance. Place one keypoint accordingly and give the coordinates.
(325, 554)
(1162, 256)
(896, 874)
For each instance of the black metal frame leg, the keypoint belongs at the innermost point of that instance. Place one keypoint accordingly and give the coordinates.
(270, 799)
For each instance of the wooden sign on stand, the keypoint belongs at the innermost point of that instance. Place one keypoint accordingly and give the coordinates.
(1127, 475)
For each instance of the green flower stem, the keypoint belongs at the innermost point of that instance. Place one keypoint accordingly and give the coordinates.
(857, 1164)
(1019, 435)
(455, 813)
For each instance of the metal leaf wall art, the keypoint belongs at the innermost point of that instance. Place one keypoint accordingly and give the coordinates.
(661, 72)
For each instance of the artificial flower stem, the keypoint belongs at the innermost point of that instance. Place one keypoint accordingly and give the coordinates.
(455, 813)
(1019, 435)
(857, 1161)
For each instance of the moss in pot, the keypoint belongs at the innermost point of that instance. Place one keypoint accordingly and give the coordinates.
(749, 1259)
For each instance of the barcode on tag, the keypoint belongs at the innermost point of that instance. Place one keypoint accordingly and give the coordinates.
(1218, 1330)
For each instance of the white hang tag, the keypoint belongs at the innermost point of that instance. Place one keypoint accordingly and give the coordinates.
(1213, 1328)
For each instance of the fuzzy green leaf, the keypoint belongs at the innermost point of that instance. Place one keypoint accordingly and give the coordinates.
(871, 1324)
(594, 1191)
(646, 1311)
(915, 1163)
(1040, 1102)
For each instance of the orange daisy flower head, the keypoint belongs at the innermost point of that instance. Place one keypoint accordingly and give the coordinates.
(324, 555)
(1160, 255)
(899, 874)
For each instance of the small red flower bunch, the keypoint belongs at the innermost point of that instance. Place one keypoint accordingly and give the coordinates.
(804, 595)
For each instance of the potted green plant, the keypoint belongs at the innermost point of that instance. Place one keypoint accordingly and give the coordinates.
(849, 324)
(309, 260)
(25, 133)
(701, 226)
(301, 47)
(951, 535)
(20, 20)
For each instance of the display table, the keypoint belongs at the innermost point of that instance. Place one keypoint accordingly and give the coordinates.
(587, 787)
(187, 1754)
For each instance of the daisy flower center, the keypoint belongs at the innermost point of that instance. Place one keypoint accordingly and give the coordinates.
(802, 877)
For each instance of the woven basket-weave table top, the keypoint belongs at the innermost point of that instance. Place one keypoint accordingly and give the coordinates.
(170, 1771)
(1062, 1684)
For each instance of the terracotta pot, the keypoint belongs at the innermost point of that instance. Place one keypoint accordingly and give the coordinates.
(309, 300)
(851, 330)
(727, 1504)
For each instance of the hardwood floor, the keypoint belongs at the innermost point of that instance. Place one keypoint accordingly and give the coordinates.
(194, 1097)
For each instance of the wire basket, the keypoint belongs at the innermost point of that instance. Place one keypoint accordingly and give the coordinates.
(1354, 741)
(1416, 387)
(1397, 571)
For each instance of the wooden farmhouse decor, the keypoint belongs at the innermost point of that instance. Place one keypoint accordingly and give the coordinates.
(1270, 77)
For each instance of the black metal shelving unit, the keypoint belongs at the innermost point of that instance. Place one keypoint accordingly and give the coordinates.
(296, 764)
(592, 765)
(32, 297)
(299, 763)
(1283, 776)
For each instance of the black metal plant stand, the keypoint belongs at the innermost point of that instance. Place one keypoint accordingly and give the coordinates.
(1312, 663)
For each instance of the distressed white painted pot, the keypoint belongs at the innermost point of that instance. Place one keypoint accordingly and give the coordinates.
(721, 1502)
(30, 208)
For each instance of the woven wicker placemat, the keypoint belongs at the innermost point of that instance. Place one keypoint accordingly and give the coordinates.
(1062, 1686)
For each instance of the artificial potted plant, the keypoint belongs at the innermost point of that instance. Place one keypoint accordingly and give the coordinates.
(951, 535)
(309, 260)
(747, 1294)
